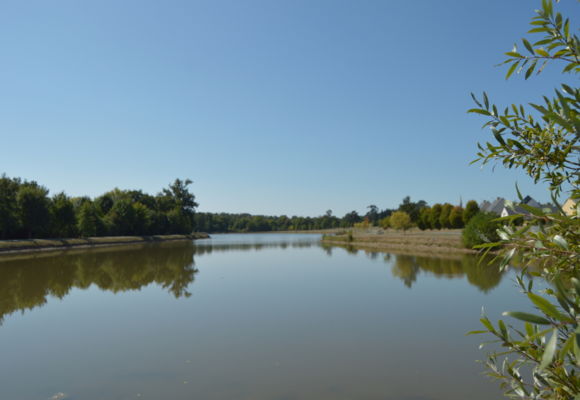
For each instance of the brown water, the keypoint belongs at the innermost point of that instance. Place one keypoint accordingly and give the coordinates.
(245, 317)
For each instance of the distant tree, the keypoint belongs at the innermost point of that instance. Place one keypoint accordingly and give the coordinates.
(33, 207)
(89, 222)
(385, 223)
(456, 218)
(104, 203)
(9, 219)
(400, 220)
(444, 216)
(471, 208)
(424, 218)
(122, 217)
(434, 216)
(373, 214)
(411, 208)
(63, 216)
(350, 219)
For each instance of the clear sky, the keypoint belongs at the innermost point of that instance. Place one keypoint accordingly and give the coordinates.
(272, 107)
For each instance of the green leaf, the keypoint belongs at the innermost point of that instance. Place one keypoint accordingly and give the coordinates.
(475, 332)
(548, 355)
(546, 307)
(520, 197)
(536, 319)
(535, 211)
(479, 111)
(485, 321)
(512, 69)
(539, 30)
(560, 242)
(528, 46)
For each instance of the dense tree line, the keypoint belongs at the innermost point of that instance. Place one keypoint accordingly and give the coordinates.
(223, 222)
(27, 211)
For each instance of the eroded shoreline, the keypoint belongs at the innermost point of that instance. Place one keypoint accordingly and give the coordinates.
(37, 245)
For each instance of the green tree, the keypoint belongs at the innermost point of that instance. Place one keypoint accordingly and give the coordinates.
(385, 223)
(434, 216)
(400, 220)
(373, 214)
(63, 216)
(542, 141)
(471, 208)
(424, 218)
(456, 217)
(412, 208)
(89, 222)
(9, 219)
(33, 207)
(444, 216)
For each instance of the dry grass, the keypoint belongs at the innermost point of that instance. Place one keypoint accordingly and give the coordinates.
(444, 241)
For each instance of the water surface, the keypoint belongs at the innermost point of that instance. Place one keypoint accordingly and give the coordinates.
(257, 316)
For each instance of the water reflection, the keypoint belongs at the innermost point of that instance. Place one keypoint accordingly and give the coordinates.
(209, 247)
(27, 282)
(480, 274)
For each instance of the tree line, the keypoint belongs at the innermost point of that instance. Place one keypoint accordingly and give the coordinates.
(27, 211)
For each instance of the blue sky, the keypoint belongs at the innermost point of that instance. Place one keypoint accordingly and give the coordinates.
(271, 107)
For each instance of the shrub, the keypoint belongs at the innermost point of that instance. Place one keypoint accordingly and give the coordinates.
(482, 228)
(400, 220)
(471, 208)
(385, 223)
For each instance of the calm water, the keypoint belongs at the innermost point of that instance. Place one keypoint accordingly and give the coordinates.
(245, 317)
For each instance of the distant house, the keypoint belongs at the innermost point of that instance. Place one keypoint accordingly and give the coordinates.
(516, 208)
(569, 207)
(528, 200)
(495, 207)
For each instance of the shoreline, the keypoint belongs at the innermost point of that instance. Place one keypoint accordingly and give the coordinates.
(430, 241)
(39, 245)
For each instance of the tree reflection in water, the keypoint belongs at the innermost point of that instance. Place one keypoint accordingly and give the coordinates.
(480, 274)
(27, 282)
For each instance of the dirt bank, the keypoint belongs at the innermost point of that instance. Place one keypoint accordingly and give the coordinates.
(443, 241)
(34, 245)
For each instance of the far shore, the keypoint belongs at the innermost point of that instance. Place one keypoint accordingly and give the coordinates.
(36, 245)
(415, 240)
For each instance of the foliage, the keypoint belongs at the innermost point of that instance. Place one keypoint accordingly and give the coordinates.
(400, 220)
(412, 208)
(456, 218)
(480, 229)
(541, 359)
(385, 223)
(424, 215)
(26, 211)
(63, 221)
(471, 208)
(33, 208)
(444, 216)
(434, 216)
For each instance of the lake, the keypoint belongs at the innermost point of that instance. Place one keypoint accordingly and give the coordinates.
(246, 316)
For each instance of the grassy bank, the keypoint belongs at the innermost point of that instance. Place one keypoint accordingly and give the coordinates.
(415, 240)
(30, 245)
